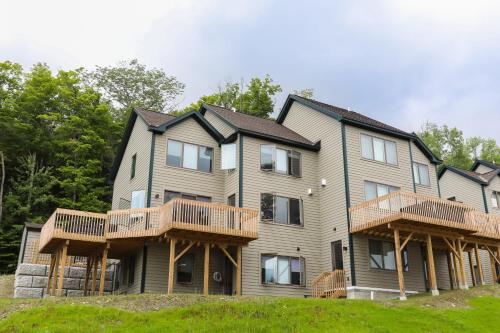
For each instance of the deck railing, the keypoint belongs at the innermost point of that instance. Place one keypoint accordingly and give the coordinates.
(74, 224)
(135, 222)
(488, 225)
(209, 217)
(414, 207)
(330, 285)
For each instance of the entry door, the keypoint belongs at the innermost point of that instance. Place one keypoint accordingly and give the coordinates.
(337, 256)
(228, 276)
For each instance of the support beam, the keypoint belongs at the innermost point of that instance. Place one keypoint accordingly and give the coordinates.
(64, 256)
(206, 269)
(228, 255)
(399, 264)
(479, 264)
(171, 267)
(51, 271)
(406, 241)
(238, 271)
(87, 275)
(431, 267)
(102, 279)
(94, 275)
(472, 270)
(190, 245)
(493, 267)
(462, 265)
(457, 268)
(56, 273)
(450, 270)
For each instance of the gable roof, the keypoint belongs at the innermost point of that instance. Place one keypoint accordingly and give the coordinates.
(356, 119)
(480, 178)
(153, 119)
(258, 127)
(157, 123)
(490, 165)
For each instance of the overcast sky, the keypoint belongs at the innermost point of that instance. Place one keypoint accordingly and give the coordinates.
(401, 62)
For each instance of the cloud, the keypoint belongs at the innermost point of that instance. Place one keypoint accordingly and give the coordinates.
(403, 62)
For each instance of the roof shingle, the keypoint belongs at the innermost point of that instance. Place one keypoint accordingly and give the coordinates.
(258, 125)
(153, 118)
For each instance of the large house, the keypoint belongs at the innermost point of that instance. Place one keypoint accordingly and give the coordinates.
(317, 202)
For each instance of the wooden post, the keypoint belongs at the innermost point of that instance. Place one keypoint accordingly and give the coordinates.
(479, 264)
(472, 271)
(56, 273)
(94, 274)
(206, 269)
(498, 257)
(399, 264)
(493, 268)
(456, 267)
(461, 264)
(103, 270)
(238, 271)
(171, 267)
(431, 267)
(51, 271)
(450, 270)
(86, 280)
(64, 255)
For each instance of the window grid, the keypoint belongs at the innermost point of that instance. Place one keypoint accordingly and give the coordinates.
(421, 174)
(271, 209)
(282, 270)
(279, 160)
(178, 153)
(382, 255)
(379, 150)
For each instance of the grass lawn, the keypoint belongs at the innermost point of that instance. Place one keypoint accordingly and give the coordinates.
(477, 310)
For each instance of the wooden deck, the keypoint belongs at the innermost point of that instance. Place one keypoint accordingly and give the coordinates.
(440, 224)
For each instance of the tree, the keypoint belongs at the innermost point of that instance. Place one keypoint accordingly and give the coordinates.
(449, 145)
(131, 84)
(306, 93)
(256, 99)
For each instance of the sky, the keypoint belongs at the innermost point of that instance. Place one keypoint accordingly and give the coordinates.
(402, 62)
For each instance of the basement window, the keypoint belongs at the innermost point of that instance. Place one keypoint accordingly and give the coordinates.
(382, 255)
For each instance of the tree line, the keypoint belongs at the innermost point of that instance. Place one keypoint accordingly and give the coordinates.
(60, 130)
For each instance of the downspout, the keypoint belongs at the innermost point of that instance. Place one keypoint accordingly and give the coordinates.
(348, 205)
(437, 179)
(148, 204)
(484, 199)
(411, 166)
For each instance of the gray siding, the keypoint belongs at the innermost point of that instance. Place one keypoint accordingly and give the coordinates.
(157, 270)
(332, 201)
(494, 185)
(139, 143)
(465, 190)
(419, 157)
(219, 124)
(483, 169)
(278, 239)
(185, 180)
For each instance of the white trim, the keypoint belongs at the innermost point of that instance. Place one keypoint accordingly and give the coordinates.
(354, 288)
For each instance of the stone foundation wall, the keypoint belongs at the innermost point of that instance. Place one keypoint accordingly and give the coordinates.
(31, 281)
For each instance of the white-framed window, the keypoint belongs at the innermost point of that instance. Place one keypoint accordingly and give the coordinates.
(374, 190)
(383, 255)
(189, 156)
(379, 150)
(421, 174)
(282, 270)
(138, 199)
(228, 156)
(495, 199)
(281, 210)
(284, 161)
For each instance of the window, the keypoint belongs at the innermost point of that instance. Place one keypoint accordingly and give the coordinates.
(189, 156)
(279, 160)
(131, 270)
(382, 255)
(185, 269)
(378, 149)
(169, 195)
(337, 255)
(375, 190)
(495, 198)
(132, 167)
(231, 200)
(138, 199)
(282, 210)
(282, 270)
(421, 174)
(228, 156)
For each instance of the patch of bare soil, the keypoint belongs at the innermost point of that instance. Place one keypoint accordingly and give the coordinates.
(6, 285)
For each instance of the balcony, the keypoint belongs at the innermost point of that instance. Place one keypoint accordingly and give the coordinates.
(179, 218)
(411, 209)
